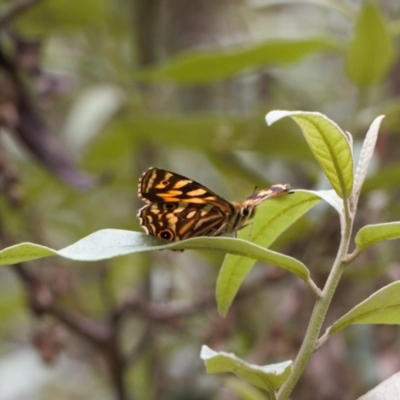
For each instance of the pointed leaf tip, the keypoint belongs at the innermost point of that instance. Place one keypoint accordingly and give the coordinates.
(371, 52)
(366, 154)
(275, 115)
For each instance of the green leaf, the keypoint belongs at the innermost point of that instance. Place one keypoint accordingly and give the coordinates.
(24, 252)
(372, 234)
(387, 178)
(275, 215)
(109, 243)
(269, 377)
(49, 17)
(383, 307)
(271, 219)
(235, 269)
(245, 390)
(195, 67)
(371, 52)
(209, 132)
(329, 144)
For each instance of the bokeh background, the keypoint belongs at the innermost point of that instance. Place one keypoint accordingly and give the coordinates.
(92, 93)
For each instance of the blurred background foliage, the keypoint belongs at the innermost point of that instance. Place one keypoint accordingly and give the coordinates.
(92, 93)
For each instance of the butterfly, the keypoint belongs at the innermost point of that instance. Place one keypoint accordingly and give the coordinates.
(179, 208)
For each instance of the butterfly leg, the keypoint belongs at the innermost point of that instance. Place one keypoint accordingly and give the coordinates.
(221, 230)
(251, 224)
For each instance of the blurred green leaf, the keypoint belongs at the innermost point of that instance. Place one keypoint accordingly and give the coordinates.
(329, 144)
(271, 219)
(391, 109)
(197, 67)
(244, 390)
(386, 178)
(235, 269)
(218, 134)
(383, 307)
(372, 234)
(269, 377)
(48, 17)
(371, 52)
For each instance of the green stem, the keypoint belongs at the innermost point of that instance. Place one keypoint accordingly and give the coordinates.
(320, 309)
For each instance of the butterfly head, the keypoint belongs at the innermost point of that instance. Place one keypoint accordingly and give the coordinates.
(244, 212)
(247, 209)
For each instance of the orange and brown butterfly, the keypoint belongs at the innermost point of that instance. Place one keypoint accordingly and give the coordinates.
(179, 208)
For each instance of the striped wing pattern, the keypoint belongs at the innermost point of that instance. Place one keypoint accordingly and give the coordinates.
(179, 208)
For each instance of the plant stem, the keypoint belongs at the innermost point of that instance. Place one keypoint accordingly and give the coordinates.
(321, 307)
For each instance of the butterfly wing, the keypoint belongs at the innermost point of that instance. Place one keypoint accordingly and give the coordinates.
(160, 185)
(178, 207)
(180, 220)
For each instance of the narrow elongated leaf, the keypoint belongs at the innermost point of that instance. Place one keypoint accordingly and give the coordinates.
(197, 67)
(209, 132)
(372, 234)
(109, 243)
(371, 52)
(268, 377)
(366, 154)
(383, 307)
(271, 219)
(387, 178)
(329, 144)
(48, 18)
